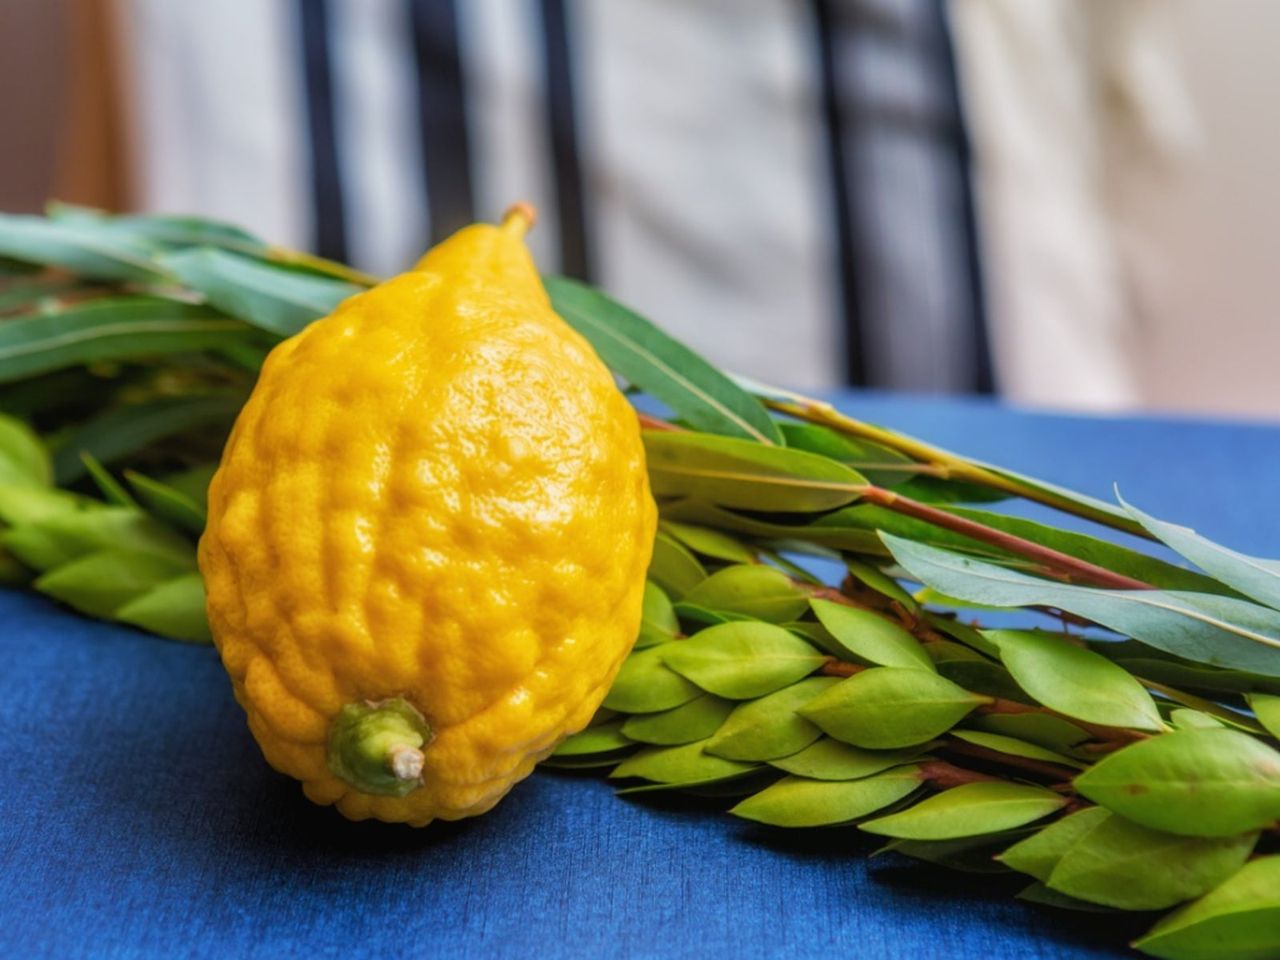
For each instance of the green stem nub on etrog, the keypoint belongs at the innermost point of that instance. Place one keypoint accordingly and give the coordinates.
(377, 747)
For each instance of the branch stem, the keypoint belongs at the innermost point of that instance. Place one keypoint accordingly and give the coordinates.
(1072, 568)
(949, 465)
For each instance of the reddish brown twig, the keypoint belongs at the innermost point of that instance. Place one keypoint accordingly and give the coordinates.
(944, 775)
(1073, 568)
(1041, 768)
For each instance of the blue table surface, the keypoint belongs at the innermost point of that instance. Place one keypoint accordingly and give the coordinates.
(137, 818)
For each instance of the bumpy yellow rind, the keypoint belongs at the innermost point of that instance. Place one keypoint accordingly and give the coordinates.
(438, 493)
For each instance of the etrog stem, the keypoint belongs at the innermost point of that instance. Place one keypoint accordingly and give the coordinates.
(377, 747)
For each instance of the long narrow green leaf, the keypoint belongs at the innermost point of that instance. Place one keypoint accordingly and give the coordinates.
(1132, 563)
(166, 233)
(749, 476)
(1049, 493)
(125, 430)
(1219, 631)
(112, 329)
(275, 299)
(174, 609)
(24, 459)
(661, 366)
(78, 248)
(1253, 576)
(162, 230)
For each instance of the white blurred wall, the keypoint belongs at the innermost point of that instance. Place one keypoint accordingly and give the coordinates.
(1128, 156)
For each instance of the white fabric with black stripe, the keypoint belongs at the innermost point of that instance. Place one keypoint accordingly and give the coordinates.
(782, 184)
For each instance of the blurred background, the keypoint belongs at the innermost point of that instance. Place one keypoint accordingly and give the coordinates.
(1070, 203)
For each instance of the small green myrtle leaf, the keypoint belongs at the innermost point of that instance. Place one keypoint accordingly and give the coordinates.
(167, 503)
(1075, 681)
(658, 622)
(871, 637)
(1199, 782)
(881, 465)
(829, 759)
(1014, 747)
(673, 567)
(696, 720)
(111, 489)
(646, 685)
(102, 582)
(1045, 896)
(750, 590)
(683, 764)
(657, 611)
(792, 569)
(61, 538)
(593, 761)
(692, 613)
(745, 475)
(742, 660)
(24, 459)
(1206, 709)
(971, 809)
(710, 543)
(888, 707)
(982, 676)
(816, 634)
(1266, 708)
(967, 854)
(1237, 920)
(173, 609)
(1185, 718)
(881, 583)
(597, 738)
(962, 632)
(1039, 853)
(769, 728)
(1121, 864)
(1047, 731)
(928, 596)
(797, 802)
(732, 787)
(22, 504)
(944, 651)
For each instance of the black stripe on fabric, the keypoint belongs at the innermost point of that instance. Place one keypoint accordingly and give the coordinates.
(329, 229)
(984, 379)
(566, 159)
(442, 115)
(841, 193)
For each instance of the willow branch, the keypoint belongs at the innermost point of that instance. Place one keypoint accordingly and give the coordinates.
(948, 465)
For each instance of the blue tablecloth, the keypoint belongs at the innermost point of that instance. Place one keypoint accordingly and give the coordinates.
(137, 818)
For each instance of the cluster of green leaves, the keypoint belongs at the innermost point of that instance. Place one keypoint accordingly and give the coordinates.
(1133, 767)
(986, 750)
(1129, 765)
(130, 344)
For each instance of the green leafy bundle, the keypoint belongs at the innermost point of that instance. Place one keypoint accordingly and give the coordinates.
(841, 626)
